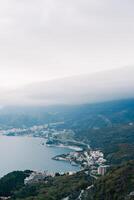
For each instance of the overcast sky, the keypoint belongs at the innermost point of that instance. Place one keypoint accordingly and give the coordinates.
(47, 39)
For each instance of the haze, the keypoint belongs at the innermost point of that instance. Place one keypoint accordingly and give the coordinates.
(53, 39)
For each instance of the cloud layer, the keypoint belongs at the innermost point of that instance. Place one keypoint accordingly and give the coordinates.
(46, 39)
(103, 86)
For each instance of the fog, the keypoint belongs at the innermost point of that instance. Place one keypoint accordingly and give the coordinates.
(47, 39)
(98, 87)
(65, 52)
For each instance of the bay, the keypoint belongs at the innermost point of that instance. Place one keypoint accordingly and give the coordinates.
(21, 153)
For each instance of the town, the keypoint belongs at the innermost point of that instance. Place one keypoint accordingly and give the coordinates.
(43, 131)
(92, 160)
(81, 155)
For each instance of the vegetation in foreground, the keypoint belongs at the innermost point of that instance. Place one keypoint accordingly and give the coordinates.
(12, 182)
(54, 189)
(117, 184)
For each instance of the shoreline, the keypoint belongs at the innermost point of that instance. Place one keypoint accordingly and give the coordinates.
(58, 157)
(75, 148)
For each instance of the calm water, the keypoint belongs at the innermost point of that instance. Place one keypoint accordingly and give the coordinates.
(20, 153)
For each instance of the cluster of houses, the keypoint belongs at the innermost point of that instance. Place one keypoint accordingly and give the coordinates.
(84, 158)
(91, 159)
(38, 177)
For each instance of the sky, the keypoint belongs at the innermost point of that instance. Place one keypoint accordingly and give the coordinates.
(49, 39)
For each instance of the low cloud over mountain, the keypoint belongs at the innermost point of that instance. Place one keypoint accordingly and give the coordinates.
(101, 86)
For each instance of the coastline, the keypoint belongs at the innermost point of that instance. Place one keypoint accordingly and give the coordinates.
(75, 148)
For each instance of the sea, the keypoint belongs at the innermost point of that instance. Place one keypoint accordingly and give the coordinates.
(21, 153)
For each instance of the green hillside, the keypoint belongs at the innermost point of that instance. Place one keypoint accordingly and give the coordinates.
(53, 189)
(118, 184)
(116, 142)
(86, 116)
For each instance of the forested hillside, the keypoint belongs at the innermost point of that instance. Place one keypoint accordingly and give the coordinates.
(87, 116)
(53, 189)
(118, 184)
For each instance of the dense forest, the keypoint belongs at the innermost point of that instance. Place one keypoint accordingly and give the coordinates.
(12, 182)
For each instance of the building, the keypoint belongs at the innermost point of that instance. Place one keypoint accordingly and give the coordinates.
(102, 169)
(35, 177)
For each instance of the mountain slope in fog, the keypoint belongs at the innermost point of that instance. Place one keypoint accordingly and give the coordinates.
(101, 86)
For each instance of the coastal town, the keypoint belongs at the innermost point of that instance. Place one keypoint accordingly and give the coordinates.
(90, 162)
(44, 131)
(93, 160)
(81, 154)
